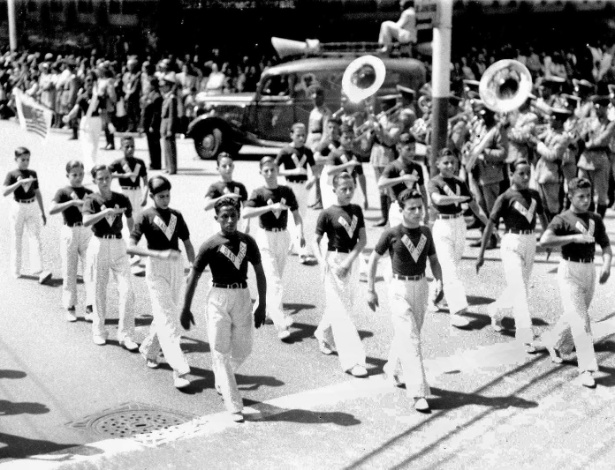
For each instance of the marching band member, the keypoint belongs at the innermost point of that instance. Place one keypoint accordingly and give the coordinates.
(521, 133)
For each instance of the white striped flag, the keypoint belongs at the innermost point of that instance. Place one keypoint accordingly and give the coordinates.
(33, 116)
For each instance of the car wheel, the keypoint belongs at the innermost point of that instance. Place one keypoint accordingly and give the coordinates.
(210, 143)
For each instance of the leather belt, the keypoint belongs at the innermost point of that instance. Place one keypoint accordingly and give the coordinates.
(449, 216)
(340, 250)
(111, 236)
(274, 229)
(75, 224)
(130, 188)
(234, 285)
(520, 232)
(401, 277)
(578, 260)
(25, 201)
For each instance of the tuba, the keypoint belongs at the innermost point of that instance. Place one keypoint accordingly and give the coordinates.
(363, 78)
(505, 86)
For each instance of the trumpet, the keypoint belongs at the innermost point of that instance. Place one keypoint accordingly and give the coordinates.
(374, 120)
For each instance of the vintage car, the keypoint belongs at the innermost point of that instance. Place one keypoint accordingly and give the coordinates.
(264, 118)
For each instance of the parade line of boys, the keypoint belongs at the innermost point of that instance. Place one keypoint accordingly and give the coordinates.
(93, 232)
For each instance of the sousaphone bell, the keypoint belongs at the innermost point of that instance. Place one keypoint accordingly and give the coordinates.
(505, 86)
(363, 77)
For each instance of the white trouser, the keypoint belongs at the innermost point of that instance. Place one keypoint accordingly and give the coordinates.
(89, 135)
(134, 196)
(336, 325)
(408, 303)
(301, 194)
(449, 236)
(395, 217)
(22, 216)
(165, 280)
(326, 188)
(517, 252)
(229, 327)
(576, 285)
(274, 253)
(74, 242)
(390, 30)
(109, 256)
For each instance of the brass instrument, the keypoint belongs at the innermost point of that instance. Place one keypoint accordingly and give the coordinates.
(458, 116)
(363, 78)
(505, 86)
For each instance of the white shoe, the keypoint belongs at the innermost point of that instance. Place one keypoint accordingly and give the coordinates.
(43, 277)
(100, 340)
(129, 344)
(421, 404)
(70, 315)
(587, 379)
(324, 347)
(179, 381)
(458, 321)
(496, 321)
(555, 354)
(392, 378)
(358, 371)
(237, 417)
(283, 334)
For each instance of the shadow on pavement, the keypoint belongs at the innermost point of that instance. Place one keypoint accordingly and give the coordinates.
(18, 447)
(12, 374)
(308, 416)
(22, 407)
(193, 345)
(448, 400)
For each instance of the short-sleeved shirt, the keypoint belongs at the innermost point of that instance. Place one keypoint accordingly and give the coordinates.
(408, 247)
(163, 228)
(84, 104)
(292, 157)
(132, 165)
(72, 215)
(228, 257)
(517, 208)
(23, 192)
(263, 196)
(220, 188)
(342, 225)
(327, 146)
(398, 168)
(448, 187)
(569, 223)
(110, 225)
(341, 155)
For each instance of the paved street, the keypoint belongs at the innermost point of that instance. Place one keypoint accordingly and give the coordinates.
(493, 405)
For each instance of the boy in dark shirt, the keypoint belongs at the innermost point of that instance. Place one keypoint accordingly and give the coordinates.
(345, 155)
(410, 245)
(107, 254)
(344, 226)
(577, 231)
(74, 239)
(229, 307)
(22, 183)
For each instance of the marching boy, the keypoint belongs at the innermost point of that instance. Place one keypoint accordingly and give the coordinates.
(271, 204)
(577, 231)
(344, 226)
(74, 239)
(163, 227)
(409, 245)
(293, 162)
(107, 255)
(22, 183)
(229, 307)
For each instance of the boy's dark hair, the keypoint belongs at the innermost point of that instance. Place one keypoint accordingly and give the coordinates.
(343, 176)
(578, 183)
(157, 184)
(445, 152)
(126, 138)
(297, 125)
(346, 129)
(335, 120)
(97, 168)
(406, 138)
(406, 4)
(19, 151)
(512, 166)
(265, 160)
(407, 194)
(73, 164)
(227, 202)
(222, 155)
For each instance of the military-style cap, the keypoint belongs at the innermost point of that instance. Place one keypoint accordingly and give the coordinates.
(388, 100)
(471, 85)
(553, 82)
(405, 92)
(571, 99)
(602, 100)
(583, 84)
(560, 113)
(454, 100)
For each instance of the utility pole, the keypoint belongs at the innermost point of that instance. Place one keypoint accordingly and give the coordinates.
(440, 79)
(12, 28)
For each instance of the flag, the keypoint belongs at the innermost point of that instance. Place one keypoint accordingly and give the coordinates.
(33, 116)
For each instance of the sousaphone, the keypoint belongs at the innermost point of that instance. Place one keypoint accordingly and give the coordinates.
(363, 77)
(505, 86)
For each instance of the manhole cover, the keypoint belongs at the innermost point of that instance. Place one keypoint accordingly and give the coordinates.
(129, 419)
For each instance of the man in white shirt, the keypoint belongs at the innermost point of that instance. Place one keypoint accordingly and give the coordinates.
(404, 30)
